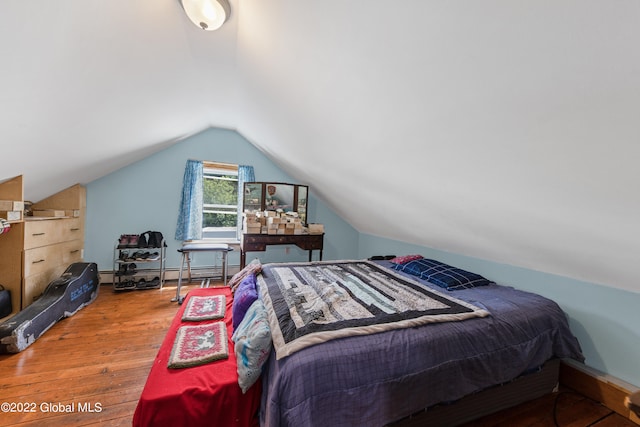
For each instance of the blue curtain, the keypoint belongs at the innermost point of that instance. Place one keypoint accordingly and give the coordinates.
(245, 174)
(189, 225)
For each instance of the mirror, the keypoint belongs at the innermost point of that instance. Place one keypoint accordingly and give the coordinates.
(271, 196)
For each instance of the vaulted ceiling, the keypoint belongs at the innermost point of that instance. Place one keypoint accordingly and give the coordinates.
(506, 131)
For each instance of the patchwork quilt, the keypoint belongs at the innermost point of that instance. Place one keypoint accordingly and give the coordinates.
(310, 303)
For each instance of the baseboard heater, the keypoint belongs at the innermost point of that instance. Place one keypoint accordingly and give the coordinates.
(172, 273)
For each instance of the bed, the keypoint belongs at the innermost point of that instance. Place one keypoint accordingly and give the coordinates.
(403, 351)
(505, 352)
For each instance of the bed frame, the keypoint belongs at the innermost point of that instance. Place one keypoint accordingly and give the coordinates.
(522, 389)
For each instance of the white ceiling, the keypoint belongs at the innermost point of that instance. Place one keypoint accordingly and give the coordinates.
(89, 86)
(502, 130)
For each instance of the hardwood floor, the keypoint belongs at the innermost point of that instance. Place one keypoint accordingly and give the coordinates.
(566, 408)
(96, 360)
(91, 368)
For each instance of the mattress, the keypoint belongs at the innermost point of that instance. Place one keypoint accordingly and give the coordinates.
(380, 378)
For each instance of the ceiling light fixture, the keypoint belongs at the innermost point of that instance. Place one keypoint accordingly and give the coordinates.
(207, 14)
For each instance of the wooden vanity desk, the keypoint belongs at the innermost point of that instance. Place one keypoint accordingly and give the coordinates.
(259, 243)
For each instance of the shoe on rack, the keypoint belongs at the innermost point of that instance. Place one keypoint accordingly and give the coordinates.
(123, 242)
(133, 240)
(125, 285)
(122, 270)
(131, 269)
(153, 256)
(155, 282)
(149, 284)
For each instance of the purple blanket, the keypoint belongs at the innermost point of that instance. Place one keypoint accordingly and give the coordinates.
(376, 379)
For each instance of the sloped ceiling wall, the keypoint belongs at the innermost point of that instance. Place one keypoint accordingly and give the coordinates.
(501, 130)
(89, 86)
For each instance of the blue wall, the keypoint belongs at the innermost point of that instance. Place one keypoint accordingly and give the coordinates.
(605, 320)
(145, 196)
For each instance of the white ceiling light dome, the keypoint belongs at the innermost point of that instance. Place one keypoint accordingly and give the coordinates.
(207, 14)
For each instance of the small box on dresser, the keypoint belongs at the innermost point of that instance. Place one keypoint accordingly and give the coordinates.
(11, 205)
(11, 215)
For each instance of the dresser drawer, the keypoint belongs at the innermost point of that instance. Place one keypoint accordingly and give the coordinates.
(72, 251)
(39, 233)
(42, 265)
(39, 260)
(34, 286)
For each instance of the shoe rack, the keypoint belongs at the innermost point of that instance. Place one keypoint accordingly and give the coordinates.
(136, 267)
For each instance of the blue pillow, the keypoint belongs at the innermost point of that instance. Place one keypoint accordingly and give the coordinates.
(245, 295)
(443, 275)
(252, 345)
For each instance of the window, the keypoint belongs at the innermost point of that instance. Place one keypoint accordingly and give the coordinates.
(219, 201)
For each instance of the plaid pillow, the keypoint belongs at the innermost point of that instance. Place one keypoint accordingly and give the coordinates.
(443, 275)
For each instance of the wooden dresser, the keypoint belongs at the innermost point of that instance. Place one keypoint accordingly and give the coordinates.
(50, 245)
(38, 250)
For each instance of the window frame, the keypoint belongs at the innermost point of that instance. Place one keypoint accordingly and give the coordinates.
(220, 233)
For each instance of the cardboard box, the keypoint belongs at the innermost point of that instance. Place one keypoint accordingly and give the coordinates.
(11, 205)
(254, 229)
(55, 213)
(316, 228)
(11, 215)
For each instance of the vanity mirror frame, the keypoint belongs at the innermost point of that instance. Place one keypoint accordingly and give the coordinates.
(272, 196)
